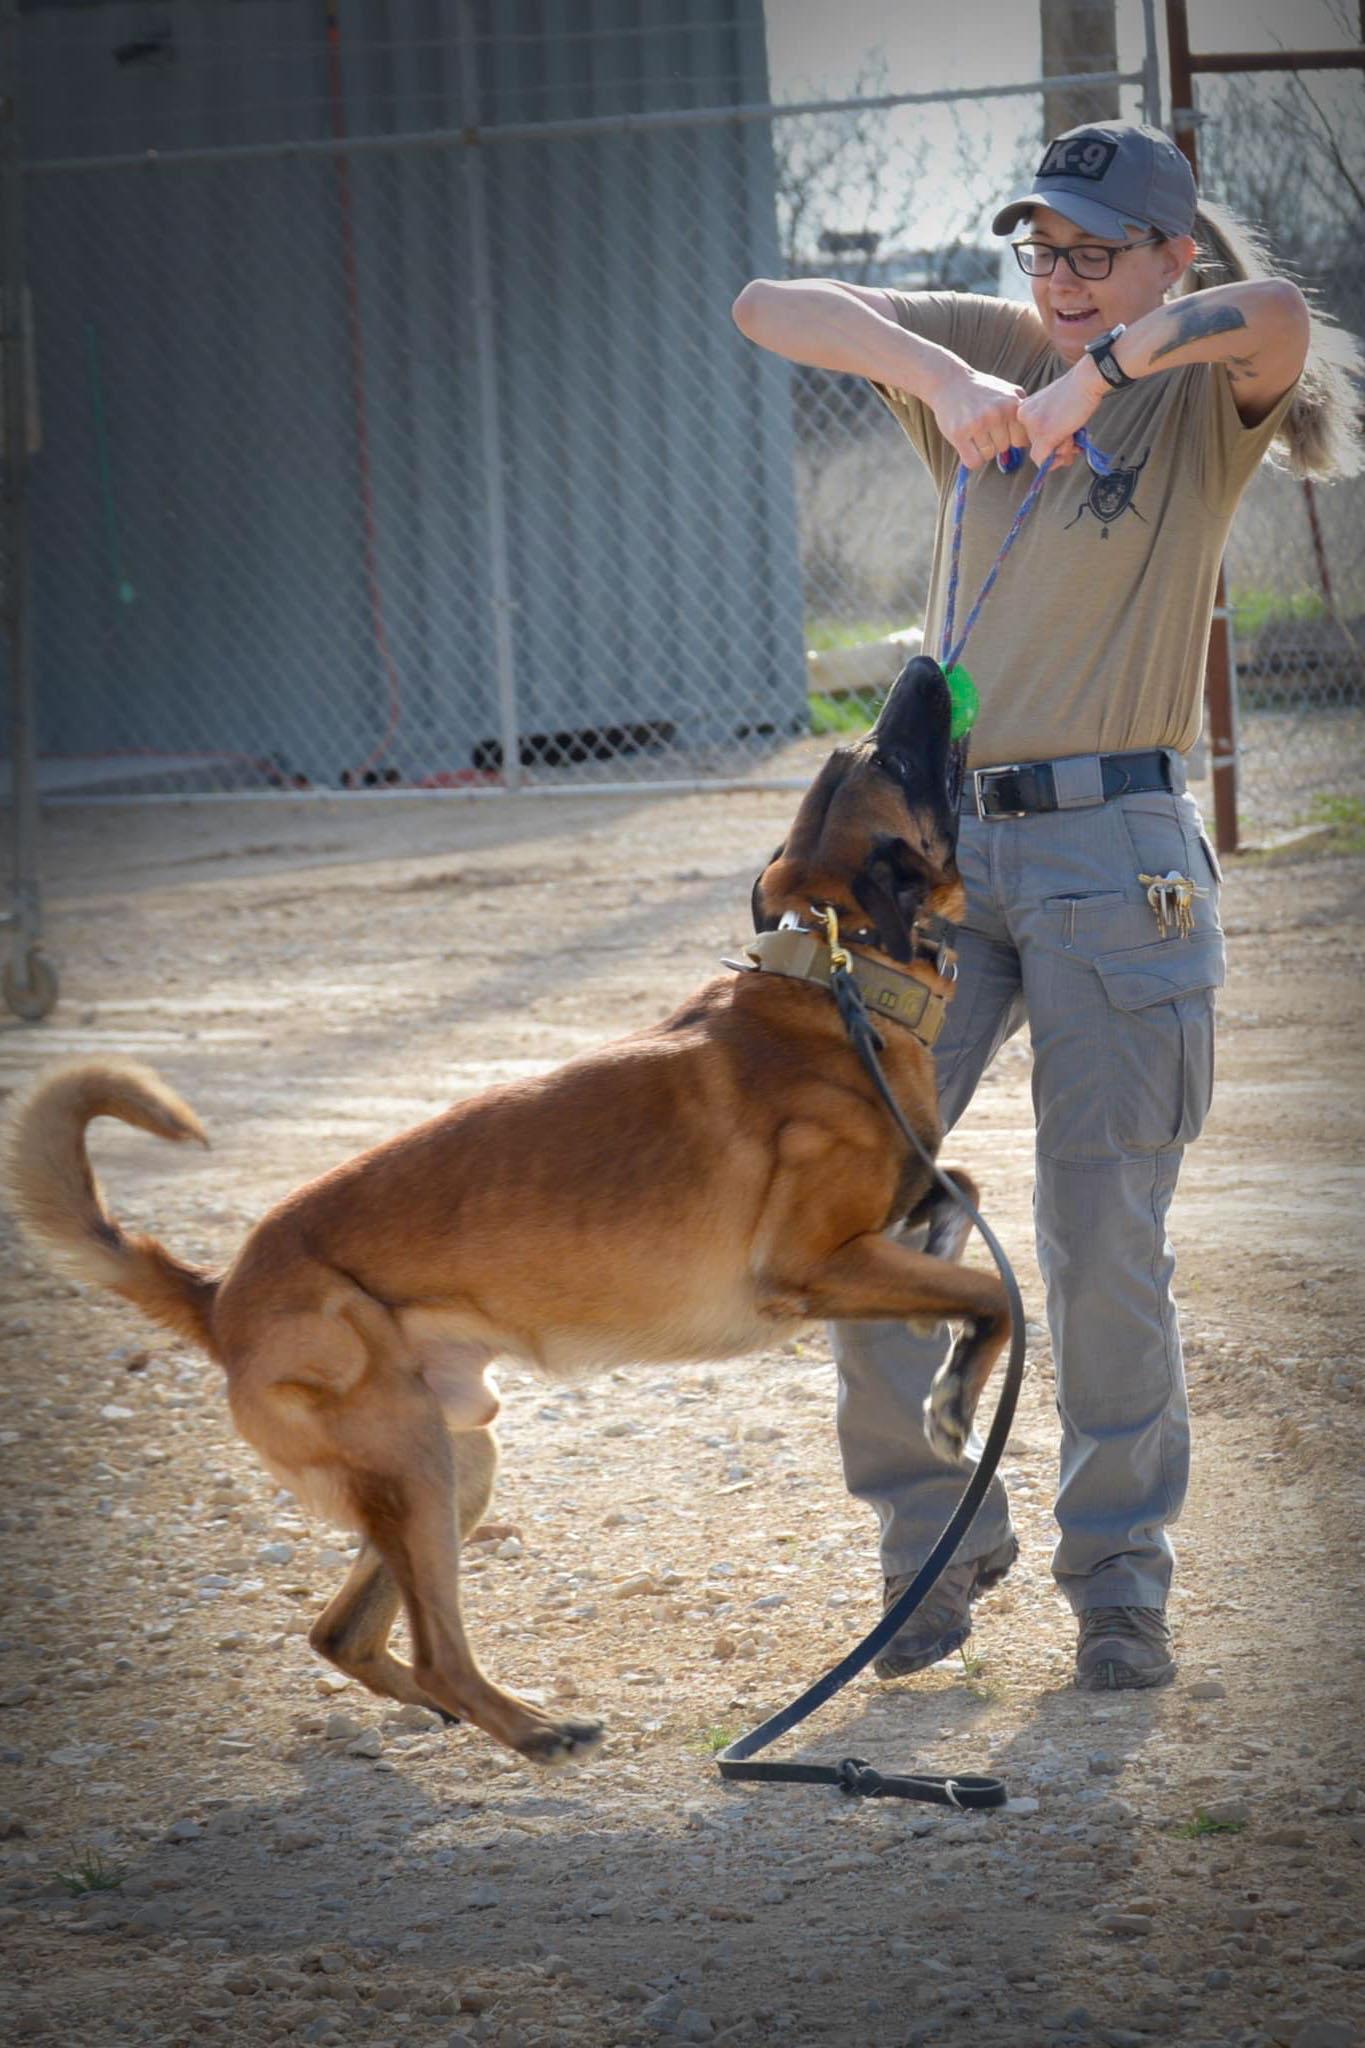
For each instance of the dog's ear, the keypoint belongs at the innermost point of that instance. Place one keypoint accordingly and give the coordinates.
(762, 921)
(891, 887)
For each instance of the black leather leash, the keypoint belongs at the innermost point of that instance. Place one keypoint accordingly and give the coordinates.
(853, 1774)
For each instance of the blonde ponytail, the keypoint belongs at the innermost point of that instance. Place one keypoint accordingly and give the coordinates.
(1321, 431)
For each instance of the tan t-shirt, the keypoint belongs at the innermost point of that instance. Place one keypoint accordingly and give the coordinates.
(1094, 637)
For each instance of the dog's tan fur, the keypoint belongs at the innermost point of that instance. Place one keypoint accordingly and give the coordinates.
(696, 1191)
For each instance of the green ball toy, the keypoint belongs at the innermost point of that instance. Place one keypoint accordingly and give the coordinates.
(964, 699)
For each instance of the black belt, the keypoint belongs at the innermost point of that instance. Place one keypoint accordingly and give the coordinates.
(1018, 789)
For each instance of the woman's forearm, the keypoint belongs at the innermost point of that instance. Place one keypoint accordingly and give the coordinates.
(1250, 327)
(818, 321)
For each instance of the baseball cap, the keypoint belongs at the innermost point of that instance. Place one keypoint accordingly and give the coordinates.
(1107, 177)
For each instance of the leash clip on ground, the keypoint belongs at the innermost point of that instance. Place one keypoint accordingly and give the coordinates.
(853, 1775)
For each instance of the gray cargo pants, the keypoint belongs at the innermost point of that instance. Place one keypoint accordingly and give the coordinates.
(1059, 932)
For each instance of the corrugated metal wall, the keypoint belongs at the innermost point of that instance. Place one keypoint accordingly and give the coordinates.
(260, 518)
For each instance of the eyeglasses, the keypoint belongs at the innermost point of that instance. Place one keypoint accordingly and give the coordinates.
(1089, 260)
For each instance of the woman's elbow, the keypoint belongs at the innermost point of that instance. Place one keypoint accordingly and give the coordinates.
(750, 309)
(1287, 312)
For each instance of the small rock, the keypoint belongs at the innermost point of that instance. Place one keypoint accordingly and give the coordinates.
(1227, 1813)
(662, 2012)
(289, 1840)
(482, 1897)
(114, 1411)
(342, 1728)
(1352, 1958)
(275, 1553)
(724, 1647)
(368, 1743)
(183, 1831)
(637, 1583)
(693, 2025)
(12, 1829)
(413, 1716)
(1208, 1689)
(1286, 1838)
(1131, 1924)
(1325, 2033)
(1102, 1766)
(17, 1695)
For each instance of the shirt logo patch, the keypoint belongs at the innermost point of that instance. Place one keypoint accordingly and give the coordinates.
(1109, 497)
(1079, 156)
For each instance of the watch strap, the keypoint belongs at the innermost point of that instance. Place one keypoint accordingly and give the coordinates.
(1101, 354)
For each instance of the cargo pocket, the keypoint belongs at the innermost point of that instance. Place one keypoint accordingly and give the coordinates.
(1160, 1075)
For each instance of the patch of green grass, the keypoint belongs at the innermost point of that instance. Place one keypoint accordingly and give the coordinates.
(1340, 823)
(711, 1741)
(1256, 608)
(845, 714)
(1194, 1830)
(823, 634)
(89, 1872)
(1347, 812)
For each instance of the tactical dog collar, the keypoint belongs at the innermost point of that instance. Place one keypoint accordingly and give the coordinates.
(804, 956)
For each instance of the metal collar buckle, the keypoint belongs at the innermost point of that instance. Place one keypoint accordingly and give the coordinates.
(978, 784)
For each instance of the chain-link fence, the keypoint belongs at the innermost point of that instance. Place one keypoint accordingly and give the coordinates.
(1287, 151)
(430, 459)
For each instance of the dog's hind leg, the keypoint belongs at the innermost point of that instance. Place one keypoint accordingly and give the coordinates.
(353, 1631)
(407, 1512)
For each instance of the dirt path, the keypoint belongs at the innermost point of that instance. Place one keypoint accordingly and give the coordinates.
(204, 1840)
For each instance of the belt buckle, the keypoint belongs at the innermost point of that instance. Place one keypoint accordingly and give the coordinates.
(1000, 768)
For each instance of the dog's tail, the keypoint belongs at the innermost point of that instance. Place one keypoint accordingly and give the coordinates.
(55, 1197)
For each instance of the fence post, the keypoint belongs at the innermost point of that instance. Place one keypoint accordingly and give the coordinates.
(485, 343)
(1218, 667)
(29, 988)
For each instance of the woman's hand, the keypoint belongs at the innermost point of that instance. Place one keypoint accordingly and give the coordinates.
(979, 415)
(1050, 418)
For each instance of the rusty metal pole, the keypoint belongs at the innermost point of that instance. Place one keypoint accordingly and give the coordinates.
(1078, 35)
(1218, 683)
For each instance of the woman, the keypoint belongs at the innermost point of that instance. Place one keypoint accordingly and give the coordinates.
(1088, 658)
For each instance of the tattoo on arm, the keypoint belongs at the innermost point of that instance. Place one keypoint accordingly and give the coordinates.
(1196, 323)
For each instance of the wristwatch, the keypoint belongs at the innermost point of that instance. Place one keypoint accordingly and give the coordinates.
(1101, 353)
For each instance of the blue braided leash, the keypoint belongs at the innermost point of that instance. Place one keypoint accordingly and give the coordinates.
(1100, 463)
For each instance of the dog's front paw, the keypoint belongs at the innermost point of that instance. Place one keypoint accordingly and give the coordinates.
(947, 1426)
(561, 1742)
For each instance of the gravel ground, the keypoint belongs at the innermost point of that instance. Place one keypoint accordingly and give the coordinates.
(206, 1837)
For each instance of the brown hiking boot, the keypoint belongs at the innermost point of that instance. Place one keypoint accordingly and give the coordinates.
(1122, 1649)
(943, 1620)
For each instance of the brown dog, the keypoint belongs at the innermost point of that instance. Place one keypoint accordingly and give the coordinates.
(696, 1191)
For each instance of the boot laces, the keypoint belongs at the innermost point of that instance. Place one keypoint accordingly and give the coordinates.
(1138, 1624)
